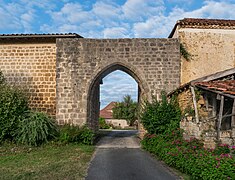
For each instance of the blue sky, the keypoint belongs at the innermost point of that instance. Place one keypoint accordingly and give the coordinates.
(107, 19)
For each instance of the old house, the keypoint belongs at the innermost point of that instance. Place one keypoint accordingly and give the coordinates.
(209, 44)
(208, 108)
(107, 114)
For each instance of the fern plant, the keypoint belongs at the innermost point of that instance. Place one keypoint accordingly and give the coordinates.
(36, 128)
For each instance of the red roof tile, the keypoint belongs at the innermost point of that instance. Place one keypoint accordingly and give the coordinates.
(206, 22)
(227, 86)
(107, 112)
(203, 24)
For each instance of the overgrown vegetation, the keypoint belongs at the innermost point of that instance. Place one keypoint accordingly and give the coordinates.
(36, 128)
(190, 157)
(21, 125)
(103, 124)
(13, 105)
(33, 146)
(2, 78)
(184, 52)
(75, 134)
(126, 109)
(160, 117)
(165, 139)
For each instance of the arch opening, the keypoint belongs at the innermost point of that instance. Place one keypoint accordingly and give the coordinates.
(93, 100)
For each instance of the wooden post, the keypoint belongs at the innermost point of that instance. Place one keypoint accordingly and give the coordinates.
(195, 104)
(233, 117)
(206, 101)
(214, 108)
(220, 116)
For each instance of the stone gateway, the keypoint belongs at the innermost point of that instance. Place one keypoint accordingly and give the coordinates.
(82, 63)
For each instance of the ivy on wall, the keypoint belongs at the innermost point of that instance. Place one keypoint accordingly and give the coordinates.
(184, 52)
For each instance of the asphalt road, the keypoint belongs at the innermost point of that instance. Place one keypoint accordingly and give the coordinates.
(118, 157)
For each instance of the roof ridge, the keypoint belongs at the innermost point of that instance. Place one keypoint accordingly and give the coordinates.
(39, 35)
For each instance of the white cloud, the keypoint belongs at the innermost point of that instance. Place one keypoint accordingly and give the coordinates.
(111, 20)
(26, 20)
(14, 22)
(116, 32)
(160, 26)
(20, 16)
(212, 9)
(138, 10)
(106, 11)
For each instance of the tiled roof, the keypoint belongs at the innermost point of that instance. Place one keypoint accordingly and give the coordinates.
(206, 22)
(203, 24)
(227, 86)
(56, 35)
(209, 78)
(107, 112)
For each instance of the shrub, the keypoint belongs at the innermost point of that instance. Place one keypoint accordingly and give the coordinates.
(36, 128)
(75, 134)
(190, 157)
(222, 149)
(103, 124)
(2, 78)
(161, 116)
(13, 105)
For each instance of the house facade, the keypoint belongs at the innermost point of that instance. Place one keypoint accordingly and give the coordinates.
(107, 114)
(209, 43)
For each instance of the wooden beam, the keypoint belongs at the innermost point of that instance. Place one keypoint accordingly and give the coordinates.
(228, 115)
(217, 92)
(220, 116)
(233, 117)
(195, 104)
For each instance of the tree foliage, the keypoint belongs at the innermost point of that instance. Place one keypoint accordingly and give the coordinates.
(127, 109)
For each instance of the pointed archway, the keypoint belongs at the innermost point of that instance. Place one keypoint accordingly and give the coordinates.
(93, 100)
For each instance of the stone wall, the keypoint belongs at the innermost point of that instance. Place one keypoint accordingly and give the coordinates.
(82, 63)
(32, 66)
(212, 50)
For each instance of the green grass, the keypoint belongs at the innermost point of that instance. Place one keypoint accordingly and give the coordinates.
(46, 162)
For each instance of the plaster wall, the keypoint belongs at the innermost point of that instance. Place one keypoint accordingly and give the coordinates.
(212, 50)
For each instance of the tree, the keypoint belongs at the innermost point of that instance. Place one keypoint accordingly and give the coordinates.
(127, 109)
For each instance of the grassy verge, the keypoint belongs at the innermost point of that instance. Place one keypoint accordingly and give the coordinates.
(47, 162)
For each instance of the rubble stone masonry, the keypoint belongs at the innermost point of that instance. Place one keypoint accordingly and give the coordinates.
(82, 63)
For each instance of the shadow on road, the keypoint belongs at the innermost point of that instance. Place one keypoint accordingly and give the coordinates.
(118, 139)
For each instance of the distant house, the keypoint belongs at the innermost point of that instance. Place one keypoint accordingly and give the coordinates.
(107, 114)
